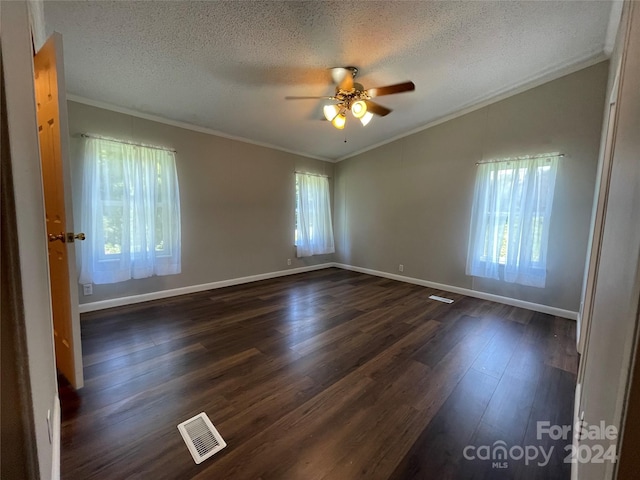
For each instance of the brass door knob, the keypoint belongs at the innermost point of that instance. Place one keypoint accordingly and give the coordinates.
(66, 238)
(71, 237)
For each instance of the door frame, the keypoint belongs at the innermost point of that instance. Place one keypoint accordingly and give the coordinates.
(598, 216)
(17, 58)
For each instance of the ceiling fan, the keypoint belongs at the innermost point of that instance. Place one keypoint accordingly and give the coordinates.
(351, 96)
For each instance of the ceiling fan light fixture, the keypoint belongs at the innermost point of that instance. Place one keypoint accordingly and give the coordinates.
(339, 121)
(359, 109)
(330, 112)
(351, 95)
(366, 118)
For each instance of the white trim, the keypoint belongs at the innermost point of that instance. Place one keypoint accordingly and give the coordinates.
(186, 126)
(554, 73)
(63, 123)
(145, 297)
(536, 307)
(55, 444)
(130, 300)
(576, 418)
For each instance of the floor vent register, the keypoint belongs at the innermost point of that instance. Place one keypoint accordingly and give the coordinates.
(201, 437)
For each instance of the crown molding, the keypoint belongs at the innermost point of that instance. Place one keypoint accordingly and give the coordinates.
(187, 126)
(553, 73)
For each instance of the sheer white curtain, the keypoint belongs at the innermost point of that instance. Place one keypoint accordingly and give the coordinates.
(130, 212)
(510, 220)
(315, 232)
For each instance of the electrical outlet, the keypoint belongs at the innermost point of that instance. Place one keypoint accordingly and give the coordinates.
(401, 267)
(87, 289)
(288, 261)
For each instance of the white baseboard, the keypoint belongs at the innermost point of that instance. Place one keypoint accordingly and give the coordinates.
(55, 439)
(536, 307)
(117, 302)
(145, 297)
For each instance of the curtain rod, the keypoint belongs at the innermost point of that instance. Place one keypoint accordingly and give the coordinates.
(312, 174)
(525, 157)
(98, 137)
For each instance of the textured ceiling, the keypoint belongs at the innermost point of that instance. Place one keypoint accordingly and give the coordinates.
(228, 65)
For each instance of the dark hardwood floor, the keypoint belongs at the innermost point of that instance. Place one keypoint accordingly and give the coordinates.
(324, 375)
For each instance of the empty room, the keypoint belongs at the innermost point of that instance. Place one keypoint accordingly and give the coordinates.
(320, 240)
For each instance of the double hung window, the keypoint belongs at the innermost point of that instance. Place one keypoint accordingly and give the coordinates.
(130, 211)
(510, 220)
(314, 231)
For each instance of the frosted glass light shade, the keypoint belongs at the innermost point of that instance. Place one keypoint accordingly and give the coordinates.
(366, 118)
(339, 121)
(359, 109)
(330, 112)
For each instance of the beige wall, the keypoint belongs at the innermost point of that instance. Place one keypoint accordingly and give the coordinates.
(405, 202)
(237, 201)
(409, 202)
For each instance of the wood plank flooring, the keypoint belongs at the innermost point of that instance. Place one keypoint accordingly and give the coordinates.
(330, 375)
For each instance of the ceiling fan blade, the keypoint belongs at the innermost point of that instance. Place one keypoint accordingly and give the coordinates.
(342, 77)
(309, 98)
(391, 89)
(377, 109)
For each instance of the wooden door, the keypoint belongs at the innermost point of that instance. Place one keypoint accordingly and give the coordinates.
(53, 133)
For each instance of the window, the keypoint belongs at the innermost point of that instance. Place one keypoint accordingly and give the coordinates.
(314, 232)
(130, 212)
(510, 220)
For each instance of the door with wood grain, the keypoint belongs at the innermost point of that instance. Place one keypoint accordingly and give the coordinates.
(53, 135)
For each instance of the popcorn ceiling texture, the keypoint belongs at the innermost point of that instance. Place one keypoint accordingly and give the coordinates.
(227, 65)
